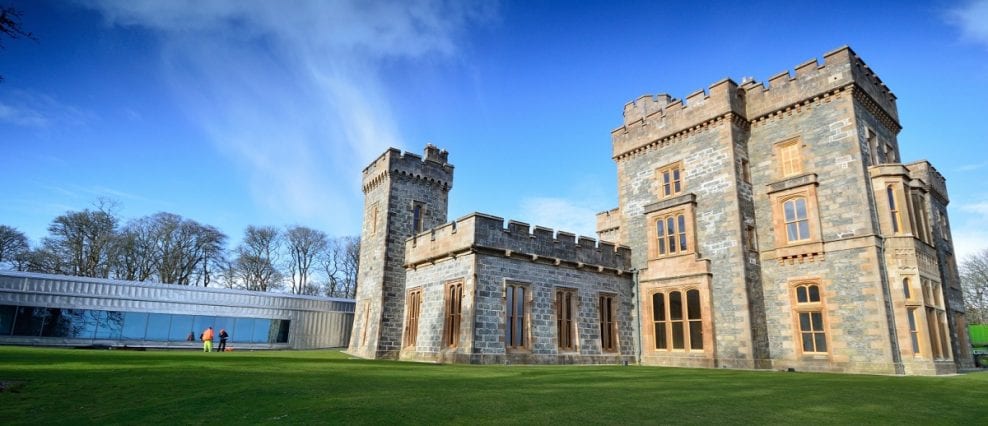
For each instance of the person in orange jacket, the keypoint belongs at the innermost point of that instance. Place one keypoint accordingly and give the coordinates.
(207, 340)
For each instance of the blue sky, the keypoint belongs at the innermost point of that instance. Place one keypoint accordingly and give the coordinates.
(261, 112)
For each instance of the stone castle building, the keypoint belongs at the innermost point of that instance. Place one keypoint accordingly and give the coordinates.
(758, 226)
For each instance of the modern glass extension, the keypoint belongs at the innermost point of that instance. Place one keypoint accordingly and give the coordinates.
(141, 328)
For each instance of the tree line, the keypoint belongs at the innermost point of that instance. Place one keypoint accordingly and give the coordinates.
(168, 248)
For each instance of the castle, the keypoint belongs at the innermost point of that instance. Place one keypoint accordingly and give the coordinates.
(758, 226)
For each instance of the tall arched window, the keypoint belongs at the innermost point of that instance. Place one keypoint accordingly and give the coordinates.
(670, 232)
(810, 319)
(797, 224)
(678, 323)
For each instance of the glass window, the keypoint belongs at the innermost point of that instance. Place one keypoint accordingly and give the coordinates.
(158, 325)
(243, 331)
(134, 325)
(225, 323)
(181, 329)
(414, 303)
(608, 323)
(565, 330)
(695, 320)
(7, 313)
(70, 323)
(893, 209)
(659, 318)
(110, 325)
(797, 224)
(454, 307)
(262, 329)
(515, 336)
(200, 323)
(29, 321)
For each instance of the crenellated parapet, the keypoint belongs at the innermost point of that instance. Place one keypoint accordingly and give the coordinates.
(658, 119)
(934, 182)
(432, 169)
(654, 121)
(481, 233)
(812, 81)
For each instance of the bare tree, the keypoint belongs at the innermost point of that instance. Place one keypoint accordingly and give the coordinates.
(974, 275)
(13, 245)
(304, 246)
(257, 256)
(83, 241)
(340, 263)
(135, 252)
(10, 26)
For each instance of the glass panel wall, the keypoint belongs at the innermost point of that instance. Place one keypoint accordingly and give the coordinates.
(151, 327)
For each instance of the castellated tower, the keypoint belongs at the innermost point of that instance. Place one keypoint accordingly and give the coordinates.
(404, 194)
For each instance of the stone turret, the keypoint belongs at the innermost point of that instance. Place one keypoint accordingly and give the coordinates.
(404, 194)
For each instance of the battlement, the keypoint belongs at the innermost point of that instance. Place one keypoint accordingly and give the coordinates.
(651, 118)
(608, 220)
(434, 168)
(935, 181)
(841, 67)
(479, 232)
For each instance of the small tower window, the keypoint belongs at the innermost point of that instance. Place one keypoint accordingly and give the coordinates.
(418, 217)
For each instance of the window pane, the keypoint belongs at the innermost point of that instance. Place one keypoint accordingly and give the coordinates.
(677, 335)
(110, 325)
(891, 196)
(801, 295)
(658, 307)
(181, 329)
(790, 211)
(696, 335)
(804, 230)
(801, 208)
(791, 232)
(158, 325)
(675, 306)
(817, 318)
(693, 304)
(509, 316)
(814, 293)
(660, 335)
(821, 342)
(807, 342)
(804, 321)
(682, 233)
(261, 330)
(200, 323)
(224, 323)
(906, 291)
(134, 325)
(29, 320)
(660, 229)
(244, 329)
(7, 319)
(60, 323)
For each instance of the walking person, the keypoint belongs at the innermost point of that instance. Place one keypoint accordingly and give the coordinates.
(207, 340)
(223, 337)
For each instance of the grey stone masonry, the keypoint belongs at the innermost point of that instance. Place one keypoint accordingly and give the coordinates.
(396, 186)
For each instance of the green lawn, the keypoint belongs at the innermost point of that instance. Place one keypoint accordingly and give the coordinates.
(102, 386)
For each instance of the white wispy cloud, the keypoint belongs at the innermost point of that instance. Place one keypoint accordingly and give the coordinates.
(971, 18)
(560, 214)
(30, 109)
(972, 167)
(293, 92)
(969, 229)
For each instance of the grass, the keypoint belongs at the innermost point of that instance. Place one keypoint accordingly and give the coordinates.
(61, 386)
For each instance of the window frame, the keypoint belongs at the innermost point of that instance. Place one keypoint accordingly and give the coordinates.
(510, 316)
(685, 323)
(675, 186)
(567, 312)
(608, 321)
(413, 311)
(418, 217)
(684, 226)
(810, 307)
(452, 313)
(789, 157)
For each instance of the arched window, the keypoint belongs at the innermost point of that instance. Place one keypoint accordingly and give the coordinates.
(670, 232)
(659, 319)
(893, 209)
(810, 319)
(678, 323)
(797, 224)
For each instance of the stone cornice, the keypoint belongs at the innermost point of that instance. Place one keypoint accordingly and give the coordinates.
(674, 137)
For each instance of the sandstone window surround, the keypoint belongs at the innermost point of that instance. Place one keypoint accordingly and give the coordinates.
(750, 238)
(670, 179)
(413, 308)
(914, 335)
(796, 218)
(671, 227)
(418, 216)
(936, 320)
(810, 318)
(944, 224)
(872, 139)
(607, 312)
(920, 217)
(895, 213)
(567, 307)
(517, 314)
(789, 157)
(678, 318)
(453, 305)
